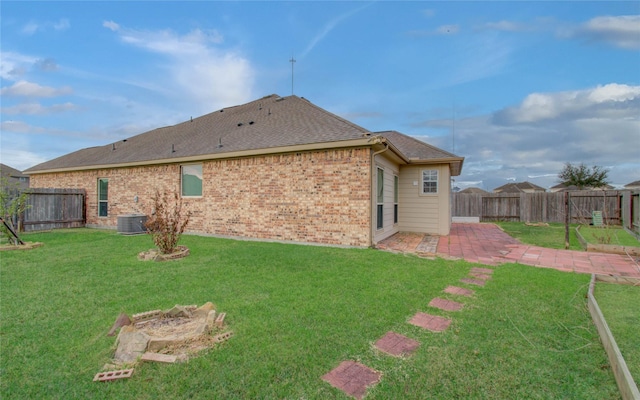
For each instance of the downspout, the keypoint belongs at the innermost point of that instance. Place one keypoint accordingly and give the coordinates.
(373, 193)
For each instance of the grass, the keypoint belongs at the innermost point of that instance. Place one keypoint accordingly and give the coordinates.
(297, 312)
(619, 304)
(551, 236)
(612, 235)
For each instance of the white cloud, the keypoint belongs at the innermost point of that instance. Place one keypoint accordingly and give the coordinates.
(202, 73)
(612, 101)
(447, 29)
(38, 109)
(533, 140)
(622, 31)
(32, 26)
(19, 127)
(111, 25)
(29, 89)
(14, 65)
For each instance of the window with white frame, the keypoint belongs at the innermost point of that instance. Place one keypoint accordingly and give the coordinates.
(380, 199)
(103, 197)
(191, 180)
(429, 181)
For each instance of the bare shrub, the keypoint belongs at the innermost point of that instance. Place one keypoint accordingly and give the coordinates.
(167, 222)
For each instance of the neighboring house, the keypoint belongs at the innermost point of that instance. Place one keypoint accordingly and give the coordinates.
(635, 185)
(277, 168)
(561, 187)
(473, 190)
(14, 178)
(519, 187)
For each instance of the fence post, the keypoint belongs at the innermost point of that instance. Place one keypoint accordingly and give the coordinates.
(566, 219)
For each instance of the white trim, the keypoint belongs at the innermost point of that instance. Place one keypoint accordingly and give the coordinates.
(421, 189)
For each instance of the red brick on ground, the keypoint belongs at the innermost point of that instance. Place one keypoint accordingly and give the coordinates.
(352, 378)
(477, 282)
(447, 305)
(433, 323)
(396, 344)
(459, 291)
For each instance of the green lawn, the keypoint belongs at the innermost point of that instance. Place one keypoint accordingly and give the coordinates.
(297, 312)
(613, 235)
(551, 236)
(619, 304)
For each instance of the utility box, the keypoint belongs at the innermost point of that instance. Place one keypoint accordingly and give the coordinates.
(596, 218)
(132, 224)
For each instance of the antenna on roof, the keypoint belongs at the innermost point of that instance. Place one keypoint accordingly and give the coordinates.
(293, 60)
(453, 128)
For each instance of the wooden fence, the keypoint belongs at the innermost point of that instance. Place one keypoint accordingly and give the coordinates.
(540, 207)
(53, 209)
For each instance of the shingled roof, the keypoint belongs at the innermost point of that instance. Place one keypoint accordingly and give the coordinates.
(263, 125)
(419, 152)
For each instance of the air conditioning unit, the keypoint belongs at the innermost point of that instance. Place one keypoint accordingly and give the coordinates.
(132, 224)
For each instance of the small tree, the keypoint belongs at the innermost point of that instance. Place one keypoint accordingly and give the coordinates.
(13, 202)
(582, 176)
(167, 222)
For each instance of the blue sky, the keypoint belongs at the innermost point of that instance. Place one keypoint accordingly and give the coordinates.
(518, 88)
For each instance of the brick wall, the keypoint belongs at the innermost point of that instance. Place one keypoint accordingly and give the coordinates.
(318, 197)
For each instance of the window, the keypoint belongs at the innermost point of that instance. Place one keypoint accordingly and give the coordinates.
(395, 199)
(191, 180)
(103, 197)
(430, 181)
(380, 198)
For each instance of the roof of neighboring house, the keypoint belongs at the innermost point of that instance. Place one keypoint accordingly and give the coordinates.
(632, 184)
(8, 171)
(560, 187)
(518, 187)
(267, 125)
(13, 176)
(473, 190)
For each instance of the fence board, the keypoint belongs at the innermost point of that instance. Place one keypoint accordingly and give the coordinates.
(53, 209)
(540, 207)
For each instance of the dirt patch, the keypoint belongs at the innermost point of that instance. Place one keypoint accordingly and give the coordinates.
(156, 255)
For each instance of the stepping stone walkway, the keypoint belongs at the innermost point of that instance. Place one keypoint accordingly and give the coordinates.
(354, 378)
(477, 282)
(446, 305)
(430, 322)
(459, 291)
(396, 344)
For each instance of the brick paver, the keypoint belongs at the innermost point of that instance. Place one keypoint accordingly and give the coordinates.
(433, 323)
(446, 305)
(486, 243)
(352, 378)
(459, 291)
(396, 344)
(471, 281)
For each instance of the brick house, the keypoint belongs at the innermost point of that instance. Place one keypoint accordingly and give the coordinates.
(277, 168)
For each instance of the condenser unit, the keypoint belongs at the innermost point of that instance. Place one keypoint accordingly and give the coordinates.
(132, 224)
